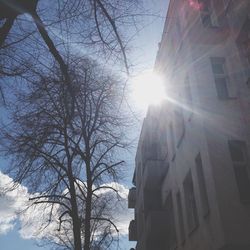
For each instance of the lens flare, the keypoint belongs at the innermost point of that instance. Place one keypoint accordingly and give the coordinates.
(148, 89)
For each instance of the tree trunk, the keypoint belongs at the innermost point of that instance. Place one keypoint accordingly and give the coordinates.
(87, 234)
(75, 217)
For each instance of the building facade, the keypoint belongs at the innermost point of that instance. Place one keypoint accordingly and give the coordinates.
(192, 176)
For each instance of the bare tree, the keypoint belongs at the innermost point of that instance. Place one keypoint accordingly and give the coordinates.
(41, 33)
(92, 26)
(69, 161)
(91, 22)
(35, 40)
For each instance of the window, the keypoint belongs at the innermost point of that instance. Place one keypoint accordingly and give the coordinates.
(202, 185)
(207, 13)
(243, 43)
(178, 29)
(171, 222)
(179, 125)
(180, 217)
(243, 40)
(238, 152)
(188, 95)
(220, 76)
(188, 99)
(178, 33)
(226, 3)
(172, 140)
(192, 216)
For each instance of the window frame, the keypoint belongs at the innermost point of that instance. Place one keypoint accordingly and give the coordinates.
(180, 126)
(244, 35)
(190, 203)
(172, 141)
(202, 185)
(239, 168)
(208, 15)
(222, 95)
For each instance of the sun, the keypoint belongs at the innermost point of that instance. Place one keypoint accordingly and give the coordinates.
(148, 89)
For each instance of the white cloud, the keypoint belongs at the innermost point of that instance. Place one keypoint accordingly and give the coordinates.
(119, 208)
(11, 203)
(15, 205)
(34, 219)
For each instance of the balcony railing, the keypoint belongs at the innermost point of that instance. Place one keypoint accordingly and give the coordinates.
(132, 197)
(132, 231)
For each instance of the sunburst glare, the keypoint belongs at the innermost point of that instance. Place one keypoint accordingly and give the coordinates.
(148, 89)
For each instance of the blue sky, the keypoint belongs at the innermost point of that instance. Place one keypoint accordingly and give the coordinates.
(13, 241)
(144, 55)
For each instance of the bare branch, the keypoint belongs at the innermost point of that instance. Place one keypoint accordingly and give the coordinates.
(106, 219)
(5, 29)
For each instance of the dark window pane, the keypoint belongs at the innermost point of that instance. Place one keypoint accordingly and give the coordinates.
(205, 13)
(243, 182)
(221, 87)
(206, 19)
(188, 95)
(179, 126)
(172, 140)
(238, 152)
(218, 68)
(192, 216)
(243, 42)
(202, 185)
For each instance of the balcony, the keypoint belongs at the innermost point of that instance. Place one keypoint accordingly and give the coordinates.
(154, 173)
(132, 231)
(132, 197)
(156, 227)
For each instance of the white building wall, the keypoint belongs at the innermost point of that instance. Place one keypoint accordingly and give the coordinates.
(212, 124)
(205, 127)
